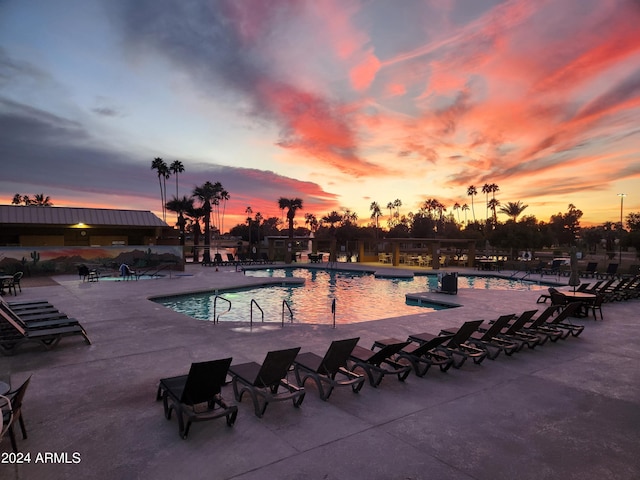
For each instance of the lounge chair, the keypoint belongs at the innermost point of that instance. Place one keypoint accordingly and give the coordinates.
(554, 269)
(329, 371)
(421, 356)
(456, 347)
(590, 270)
(263, 381)
(377, 364)
(536, 327)
(13, 414)
(197, 397)
(612, 270)
(561, 322)
(14, 331)
(217, 260)
(516, 332)
(488, 339)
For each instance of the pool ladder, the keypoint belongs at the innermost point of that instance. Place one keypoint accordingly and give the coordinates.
(216, 318)
(253, 302)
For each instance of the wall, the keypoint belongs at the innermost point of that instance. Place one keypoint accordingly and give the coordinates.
(50, 260)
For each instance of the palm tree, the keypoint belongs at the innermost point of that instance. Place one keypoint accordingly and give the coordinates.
(486, 189)
(472, 192)
(176, 167)
(249, 211)
(209, 195)
(17, 199)
(40, 200)
(375, 214)
(390, 207)
(292, 205)
(513, 209)
(311, 220)
(180, 206)
(493, 204)
(194, 216)
(163, 173)
(456, 207)
(465, 209)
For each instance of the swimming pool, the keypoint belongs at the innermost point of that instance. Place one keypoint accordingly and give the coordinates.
(358, 297)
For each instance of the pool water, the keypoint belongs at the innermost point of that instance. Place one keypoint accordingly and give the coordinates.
(358, 297)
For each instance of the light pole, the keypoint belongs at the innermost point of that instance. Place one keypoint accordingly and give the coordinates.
(621, 195)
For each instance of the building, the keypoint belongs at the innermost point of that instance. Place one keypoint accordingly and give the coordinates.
(32, 226)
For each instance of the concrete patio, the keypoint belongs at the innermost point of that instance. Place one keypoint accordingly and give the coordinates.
(565, 410)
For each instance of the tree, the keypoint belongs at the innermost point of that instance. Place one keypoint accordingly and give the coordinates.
(209, 194)
(311, 220)
(472, 192)
(376, 213)
(390, 221)
(633, 222)
(249, 211)
(38, 200)
(486, 189)
(493, 204)
(513, 209)
(176, 167)
(180, 206)
(465, 209)
(292, 205)
(163, 173)
(565, 227)
(456, 208)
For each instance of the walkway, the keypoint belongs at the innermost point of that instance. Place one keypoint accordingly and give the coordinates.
(566, 410)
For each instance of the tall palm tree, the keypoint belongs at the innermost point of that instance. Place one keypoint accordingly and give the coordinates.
(486, 189)
(465, 209)
(513, 209)
(249, 211)
(176, 167)
(17, 199)
(375, 214)
(390, 206)
(163, 173)
(292, 205)
(472, 192)
(180, 206)
(40, 200)
(209, 195)
(194, 216)
(456, 207)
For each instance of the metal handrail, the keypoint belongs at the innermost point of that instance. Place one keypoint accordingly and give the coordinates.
(333, 311)
(284, 302)
(216, 319)
(251, 315)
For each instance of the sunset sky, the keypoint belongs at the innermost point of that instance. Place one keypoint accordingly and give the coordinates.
(338, 102)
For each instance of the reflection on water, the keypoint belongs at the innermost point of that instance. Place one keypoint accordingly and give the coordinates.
(359, 297)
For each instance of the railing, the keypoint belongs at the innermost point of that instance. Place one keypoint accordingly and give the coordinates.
(333, 311)
(216, 319)
(253, 302)
(285, 303)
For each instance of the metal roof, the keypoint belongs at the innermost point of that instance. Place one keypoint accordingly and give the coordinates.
(33, 215)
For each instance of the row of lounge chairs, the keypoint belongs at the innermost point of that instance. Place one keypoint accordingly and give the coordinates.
(239, 259)
(197, 395)
(39, 321)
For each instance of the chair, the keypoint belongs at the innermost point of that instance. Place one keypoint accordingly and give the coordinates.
(231, 259)
(265, 258)
(421, 356)
(13, 414)
(197, 397)
(488, 339)
(596, 306)
(456, 347)
(217, 260)
(612, 270)
(16, 281)
(561, 321)
(324, 370)
(516, 332)
(7, 284)
(590, 270)
(377, 364)
(262, 382)
(48, 332)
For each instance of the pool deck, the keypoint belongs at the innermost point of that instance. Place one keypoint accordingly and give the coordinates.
(564, 410)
